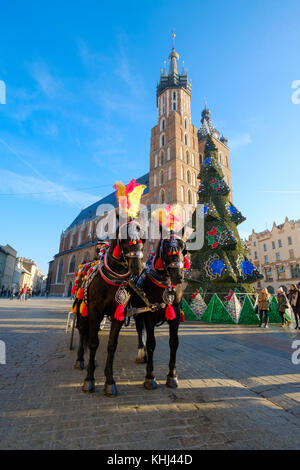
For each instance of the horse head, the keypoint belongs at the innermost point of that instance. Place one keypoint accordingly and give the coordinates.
(129, 246)
(171, 253)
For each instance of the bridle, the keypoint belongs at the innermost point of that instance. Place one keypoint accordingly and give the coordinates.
(136, 254)
(124, 257)
(177, 263)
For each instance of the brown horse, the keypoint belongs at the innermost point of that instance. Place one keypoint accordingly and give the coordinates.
(162, 285)
(106, 294)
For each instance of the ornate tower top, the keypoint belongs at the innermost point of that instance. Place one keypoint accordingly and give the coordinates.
(207, 127)
(173, 79)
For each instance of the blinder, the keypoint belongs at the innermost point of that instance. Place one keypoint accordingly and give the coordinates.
(136, 241)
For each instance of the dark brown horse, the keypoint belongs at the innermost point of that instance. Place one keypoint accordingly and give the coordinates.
(106, 294)
(162, 284)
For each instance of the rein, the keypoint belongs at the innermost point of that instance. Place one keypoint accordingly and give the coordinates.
(110, 276)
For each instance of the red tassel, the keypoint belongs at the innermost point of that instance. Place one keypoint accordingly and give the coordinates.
(76, 274)
(80, 294)
(187, 263)
(119, 313)
(83, 310)
(83, 273)
(117, 253)
(182, 318)
(159, 264)
(170, 313)
(90, 270)
(73, 290)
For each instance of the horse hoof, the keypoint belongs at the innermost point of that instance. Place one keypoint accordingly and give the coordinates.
(150, 384)
(110, 390)
(79, 365)
(88, 386)
(172, 382)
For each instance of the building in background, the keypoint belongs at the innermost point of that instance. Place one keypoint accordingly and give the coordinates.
(16, 272)
(176, 155)
(31, 276)
(7, 267)
(276, 253)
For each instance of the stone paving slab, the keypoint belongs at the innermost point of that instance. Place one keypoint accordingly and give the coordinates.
(238, 388)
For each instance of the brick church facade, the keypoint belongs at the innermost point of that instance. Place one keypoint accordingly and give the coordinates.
(176, 155)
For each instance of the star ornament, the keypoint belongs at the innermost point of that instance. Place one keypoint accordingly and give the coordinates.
(217, 267)
(232, 210)
(247, 267)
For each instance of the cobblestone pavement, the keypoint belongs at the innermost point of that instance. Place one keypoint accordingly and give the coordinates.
(238, 388)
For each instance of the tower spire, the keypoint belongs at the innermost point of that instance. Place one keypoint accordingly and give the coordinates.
(173, 57)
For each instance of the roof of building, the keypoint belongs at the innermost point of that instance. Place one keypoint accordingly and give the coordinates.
(278, 227)
(89, 213)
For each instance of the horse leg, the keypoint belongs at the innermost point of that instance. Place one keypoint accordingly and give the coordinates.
(93, 343)
(150, 383)
(172, 381)
(110, 388)
(83, 338)
(139, 325)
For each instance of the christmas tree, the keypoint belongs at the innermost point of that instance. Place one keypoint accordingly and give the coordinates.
(198, 305)
(274, 316)
(188, 312)
(222, 263)
(233, 307)
(216, 312)
(248, 315)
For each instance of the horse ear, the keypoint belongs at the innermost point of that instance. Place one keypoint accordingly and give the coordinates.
(117, 222)
(160, 230)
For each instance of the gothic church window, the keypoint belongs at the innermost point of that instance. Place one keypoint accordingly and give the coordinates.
(162, 158)
(162, 196)
(72, 264)
(59, 272)
(161, 177)
(188, 177)
(187, 157)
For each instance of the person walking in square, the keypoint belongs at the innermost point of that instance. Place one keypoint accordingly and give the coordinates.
(282, 307)
(294, 298)
(263, 306)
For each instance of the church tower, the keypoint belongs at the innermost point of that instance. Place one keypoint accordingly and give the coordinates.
(174, 156)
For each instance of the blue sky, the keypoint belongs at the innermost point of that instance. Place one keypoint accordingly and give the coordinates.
(80, 82)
